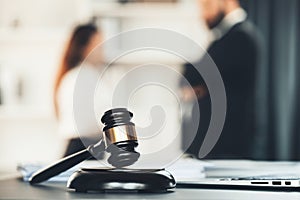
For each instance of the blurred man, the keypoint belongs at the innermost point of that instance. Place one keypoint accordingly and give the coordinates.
(235, 51)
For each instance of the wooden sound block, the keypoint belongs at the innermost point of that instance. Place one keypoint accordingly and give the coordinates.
(124, 180)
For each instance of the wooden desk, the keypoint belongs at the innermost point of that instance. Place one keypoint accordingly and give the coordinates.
(14, 188)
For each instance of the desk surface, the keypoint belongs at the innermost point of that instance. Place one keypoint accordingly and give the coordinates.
(14, 188)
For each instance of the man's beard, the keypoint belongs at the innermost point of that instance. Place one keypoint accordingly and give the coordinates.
(216, 21)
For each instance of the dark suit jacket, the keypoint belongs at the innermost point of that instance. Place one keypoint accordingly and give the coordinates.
(236, 55)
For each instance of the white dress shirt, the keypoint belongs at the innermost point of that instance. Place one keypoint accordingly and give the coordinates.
(236, 16)
(84, 125)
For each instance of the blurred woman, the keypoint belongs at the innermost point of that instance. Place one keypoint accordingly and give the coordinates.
(83, 40)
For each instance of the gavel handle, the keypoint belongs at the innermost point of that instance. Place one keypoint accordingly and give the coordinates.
(64, 164)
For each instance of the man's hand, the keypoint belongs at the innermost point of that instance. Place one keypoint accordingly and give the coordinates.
(188, 93)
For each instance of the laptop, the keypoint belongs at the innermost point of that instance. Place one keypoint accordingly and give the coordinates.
(264, 183)
(254, 176)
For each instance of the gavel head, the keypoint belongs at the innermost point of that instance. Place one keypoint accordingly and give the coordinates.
(120, 137)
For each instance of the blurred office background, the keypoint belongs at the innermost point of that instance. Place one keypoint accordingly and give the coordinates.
(278, 78)
(32, 38)
(33, 35)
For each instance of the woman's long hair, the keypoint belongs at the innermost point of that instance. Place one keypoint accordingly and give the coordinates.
(74, 54)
